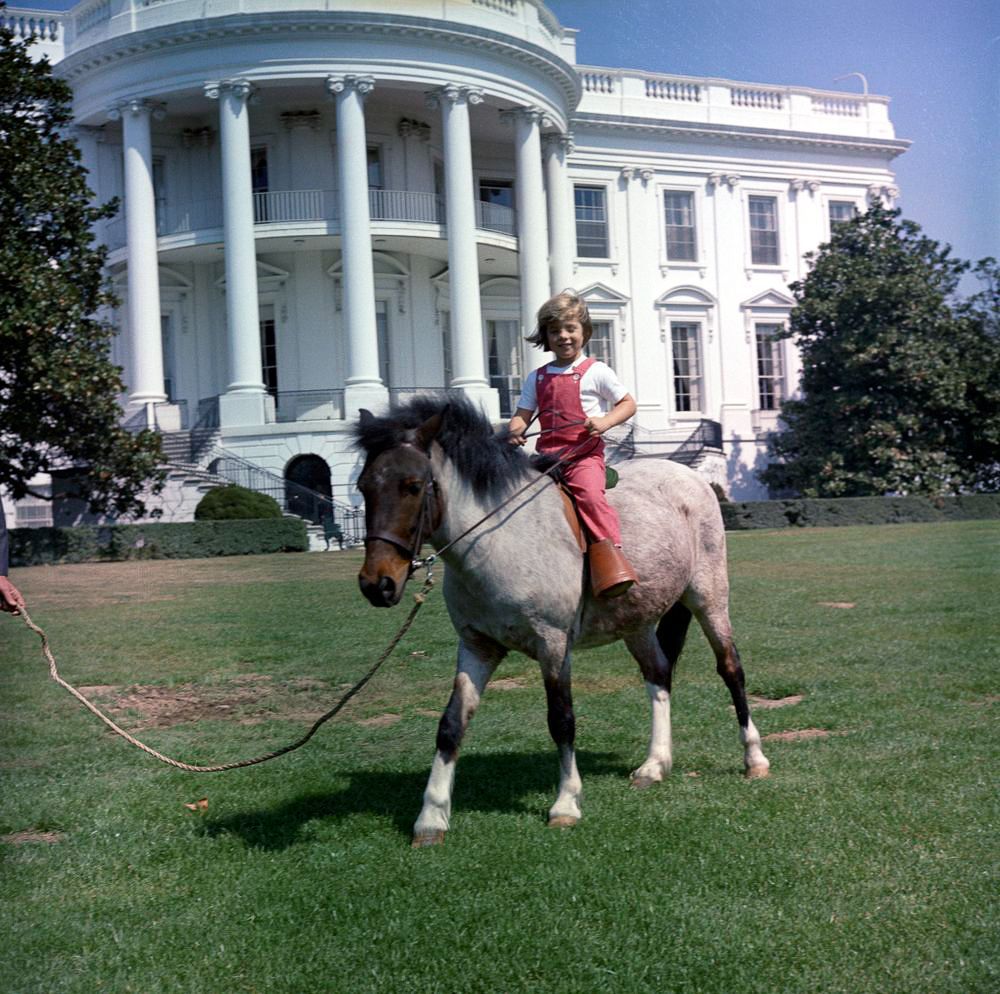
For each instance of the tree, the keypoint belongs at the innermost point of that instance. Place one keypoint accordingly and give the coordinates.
(58, 387)
(901, 379)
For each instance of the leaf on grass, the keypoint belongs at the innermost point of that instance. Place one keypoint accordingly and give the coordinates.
(199, 805)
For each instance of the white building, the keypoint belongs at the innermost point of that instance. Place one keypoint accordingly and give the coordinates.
(332, 203)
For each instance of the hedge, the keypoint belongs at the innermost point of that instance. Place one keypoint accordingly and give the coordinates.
(181, 540)
(816, 512)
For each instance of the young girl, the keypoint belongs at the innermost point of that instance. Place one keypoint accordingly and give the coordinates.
(578, 399)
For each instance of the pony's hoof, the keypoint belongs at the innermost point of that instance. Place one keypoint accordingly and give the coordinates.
(562, 821)
(642, 783)
(758, 772)
(425, 839)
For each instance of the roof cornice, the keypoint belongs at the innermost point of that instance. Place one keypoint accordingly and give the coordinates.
(890, 147)
(337, 24)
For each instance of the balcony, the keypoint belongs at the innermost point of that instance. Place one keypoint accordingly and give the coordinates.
(289, 207)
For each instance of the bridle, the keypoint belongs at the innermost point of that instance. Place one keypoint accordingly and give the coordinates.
(427, 520)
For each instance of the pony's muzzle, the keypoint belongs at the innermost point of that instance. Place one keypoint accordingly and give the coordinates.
(383, 591)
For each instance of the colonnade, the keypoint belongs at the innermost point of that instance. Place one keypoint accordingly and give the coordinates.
(545, 242)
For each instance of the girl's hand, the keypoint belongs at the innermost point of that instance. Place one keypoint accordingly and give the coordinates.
(596, 426)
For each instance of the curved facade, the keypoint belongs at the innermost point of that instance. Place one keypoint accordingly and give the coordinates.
(328, 205)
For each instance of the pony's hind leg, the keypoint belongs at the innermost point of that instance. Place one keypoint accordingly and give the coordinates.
(656, 652)
(715, 623)
(476, 663)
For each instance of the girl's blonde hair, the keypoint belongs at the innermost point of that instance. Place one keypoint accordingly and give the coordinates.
(562, 307)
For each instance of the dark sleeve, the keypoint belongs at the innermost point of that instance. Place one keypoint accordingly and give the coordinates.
(3, 543)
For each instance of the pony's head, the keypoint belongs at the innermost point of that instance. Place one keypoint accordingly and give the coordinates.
(404, 504)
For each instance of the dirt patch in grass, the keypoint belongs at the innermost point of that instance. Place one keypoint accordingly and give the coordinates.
(800, 735)
(249, 699)
(508, 683)
(381, 720)
(839, 604)
(23, 838)
(774, 702)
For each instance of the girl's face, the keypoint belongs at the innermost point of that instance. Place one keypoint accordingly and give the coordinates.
(566, 341)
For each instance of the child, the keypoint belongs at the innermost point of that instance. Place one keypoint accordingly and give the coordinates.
(578, 398)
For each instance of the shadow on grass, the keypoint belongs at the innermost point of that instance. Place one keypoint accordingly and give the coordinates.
(498, 782)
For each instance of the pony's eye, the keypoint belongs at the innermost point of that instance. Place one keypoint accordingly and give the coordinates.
(412, 487)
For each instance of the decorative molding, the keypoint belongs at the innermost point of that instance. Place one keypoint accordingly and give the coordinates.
(203, 137)
(362, 85)
(731, 180)
(238, 87)
(798, 185)
(310, 119)
(453, 94)
(407, 128)
(136, 107)
(556, 141)
(532, 114)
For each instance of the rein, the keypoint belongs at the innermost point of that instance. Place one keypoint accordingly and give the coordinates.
(418, 599)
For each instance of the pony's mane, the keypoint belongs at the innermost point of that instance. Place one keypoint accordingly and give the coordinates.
(484, 458)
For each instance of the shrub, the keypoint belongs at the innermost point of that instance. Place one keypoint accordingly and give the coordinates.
(175, 540)
(234, 503)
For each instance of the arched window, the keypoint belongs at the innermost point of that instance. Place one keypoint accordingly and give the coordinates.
(307, 483)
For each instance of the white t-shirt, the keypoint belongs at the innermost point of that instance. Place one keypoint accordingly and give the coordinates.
(600, 388)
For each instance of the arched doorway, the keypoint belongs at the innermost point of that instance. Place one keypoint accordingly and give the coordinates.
(307, 481)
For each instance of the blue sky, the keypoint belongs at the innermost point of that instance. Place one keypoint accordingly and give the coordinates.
(939, 61)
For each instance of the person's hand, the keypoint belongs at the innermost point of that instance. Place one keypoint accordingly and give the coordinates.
(596, 426)
(516, 438)
(10, 597)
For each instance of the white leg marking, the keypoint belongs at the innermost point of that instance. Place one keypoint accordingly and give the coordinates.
(660, 760)
(754, 760)
(435, 815)
(566, 810)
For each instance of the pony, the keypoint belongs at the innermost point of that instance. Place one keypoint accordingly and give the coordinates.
(433, 470)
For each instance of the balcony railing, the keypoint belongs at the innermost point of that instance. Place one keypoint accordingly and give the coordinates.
(316, 206)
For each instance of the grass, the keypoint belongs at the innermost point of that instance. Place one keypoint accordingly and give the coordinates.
(867, 862)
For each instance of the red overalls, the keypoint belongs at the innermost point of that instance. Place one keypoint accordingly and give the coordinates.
(558, 399)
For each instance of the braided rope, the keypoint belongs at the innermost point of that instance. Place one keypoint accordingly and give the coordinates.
(418, 599)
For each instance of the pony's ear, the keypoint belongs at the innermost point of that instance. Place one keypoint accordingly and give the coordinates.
(365, 417)
(430, 429)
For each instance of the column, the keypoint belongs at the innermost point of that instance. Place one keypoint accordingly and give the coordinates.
(532, 231)
(562, 233)
(145, 344)
(363, 386)
(244, 401)
(468, 354)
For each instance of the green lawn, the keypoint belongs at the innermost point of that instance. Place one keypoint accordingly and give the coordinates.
(867, 862)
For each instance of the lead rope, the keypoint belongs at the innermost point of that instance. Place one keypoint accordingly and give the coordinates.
(418, 599)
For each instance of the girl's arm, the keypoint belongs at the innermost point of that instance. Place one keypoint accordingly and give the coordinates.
(517, 426)
(622, 411)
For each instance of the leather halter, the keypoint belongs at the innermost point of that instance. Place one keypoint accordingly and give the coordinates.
(430, 506)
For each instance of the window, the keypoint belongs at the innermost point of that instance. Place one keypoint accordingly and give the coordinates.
(841, 210)
(159, 187)
(601, 342)
(269, 350)
(591, 222)
(504, 353)
(764, 231)
(382, 330)
(497, 191)
(770, 372)
(375, 181)
(678, 215)
(259, 183)
(446, 347)
(684, 337)
(168, 357)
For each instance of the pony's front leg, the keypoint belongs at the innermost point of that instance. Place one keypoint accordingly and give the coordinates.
(562, 726)
(476, 664)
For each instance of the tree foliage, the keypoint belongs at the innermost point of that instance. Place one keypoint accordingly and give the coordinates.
(58, 387)
(901, 379)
